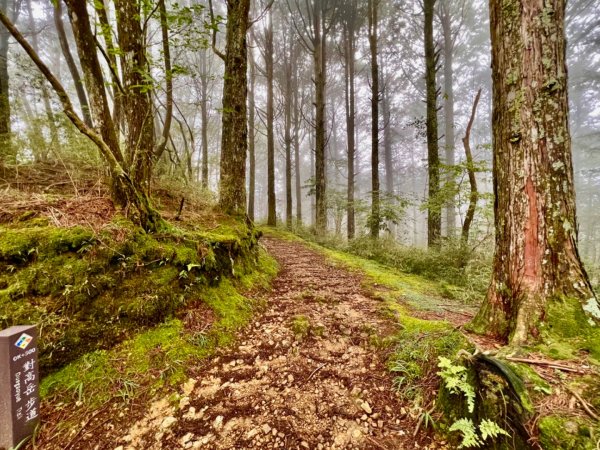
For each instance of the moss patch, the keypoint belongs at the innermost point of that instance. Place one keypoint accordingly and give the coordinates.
(567, 332)
(163, 353)
(89, 291)
(568, 433)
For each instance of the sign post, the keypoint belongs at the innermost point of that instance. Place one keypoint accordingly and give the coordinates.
(19, 385)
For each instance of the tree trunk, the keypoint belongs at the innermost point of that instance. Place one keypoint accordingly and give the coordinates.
(296, 137)
(387, 142)
(125, 192)
(320, 66)
(474, 194)
(6, 149)
(349, 97)
(166, 132)
(434, 217)
(251, 140)
(234, 134)
(105, 30)
(271, 200)
(539, 290)
(446, 20)
(375, 201)
(66, 51)
(289, 66)
(137, 102)
(92, 76)
(54, 140)
(204, 79)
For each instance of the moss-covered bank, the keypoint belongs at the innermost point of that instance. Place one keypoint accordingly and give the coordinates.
(91, 290)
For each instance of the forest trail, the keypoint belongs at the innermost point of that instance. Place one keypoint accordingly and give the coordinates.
(304, 374)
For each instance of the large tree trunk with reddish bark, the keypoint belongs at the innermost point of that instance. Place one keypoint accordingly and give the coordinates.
(539, 289)
(234, 134)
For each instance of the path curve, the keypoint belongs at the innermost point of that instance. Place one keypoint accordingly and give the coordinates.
(306, 374)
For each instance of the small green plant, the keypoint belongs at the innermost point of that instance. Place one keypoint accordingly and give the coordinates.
(471, 437)
(469, 433)
(456, 380)
(300, 326)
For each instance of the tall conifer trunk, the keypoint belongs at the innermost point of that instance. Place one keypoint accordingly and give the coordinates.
(320, 67)
(271, 199)
(251, 140)
(6, 150)
(234, 133)
(434, 216)
(375, 200)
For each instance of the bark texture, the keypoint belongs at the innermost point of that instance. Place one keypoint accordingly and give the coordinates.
(73, 70)
(92, 75)
(538, 275)
(434, 216)
(296, 138)
(289, 68)
(449, 138)
(375, 200)
(6, 153)
(349, 32)
(251, 140)
(137, 102)
(271, 200)
(204, 80)
(474, 193)
(234, 137)
(320, 69)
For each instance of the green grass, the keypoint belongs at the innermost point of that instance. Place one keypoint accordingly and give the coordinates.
(384, 281)
(461, 273)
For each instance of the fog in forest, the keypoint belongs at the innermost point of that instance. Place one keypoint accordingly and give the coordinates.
(281, 80)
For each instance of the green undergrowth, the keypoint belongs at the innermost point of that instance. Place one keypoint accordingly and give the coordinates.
(461, 273)
(384, 281)
(162, 355)
(90, 290)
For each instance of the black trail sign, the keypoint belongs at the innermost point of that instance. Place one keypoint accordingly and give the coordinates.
(19, 385)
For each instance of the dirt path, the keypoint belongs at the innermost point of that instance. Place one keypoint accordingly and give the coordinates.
(304, 374)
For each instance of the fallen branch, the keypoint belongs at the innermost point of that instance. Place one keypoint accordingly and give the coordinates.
(585, 404)
(315, 371)
(376, 443)
(550, 364)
